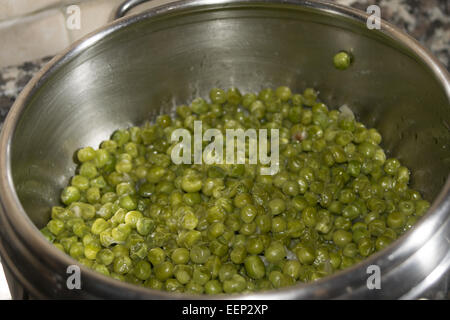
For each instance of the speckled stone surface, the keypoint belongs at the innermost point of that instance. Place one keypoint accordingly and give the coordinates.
(426, 20)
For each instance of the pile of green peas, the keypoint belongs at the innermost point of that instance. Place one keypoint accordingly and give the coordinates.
(132, 214)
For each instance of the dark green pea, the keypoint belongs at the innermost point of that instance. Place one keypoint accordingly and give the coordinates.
(396, 219)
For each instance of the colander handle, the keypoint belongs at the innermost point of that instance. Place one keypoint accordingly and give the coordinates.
(127, 6)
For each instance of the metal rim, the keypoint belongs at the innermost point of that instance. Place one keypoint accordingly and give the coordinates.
(22, 225)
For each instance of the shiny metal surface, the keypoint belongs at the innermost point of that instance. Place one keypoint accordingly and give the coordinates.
(127, 6)
(139, 66)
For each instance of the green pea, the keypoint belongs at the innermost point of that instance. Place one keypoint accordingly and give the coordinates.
(309, 215)
(142, 270)
(255, 245)
(238, 254)
(128, 202)
(248, 213)
(99, 226)
(180, 256)
(290, 188)
(264, 223)
(153, 283)
(88, 170)
(86, 154)
(382, 242)
(70, 194)
(396, 219)
(242, 200)
(156, 256)
(191, 184)
(341, 60)
(275, 252)
(163, 270)
(145, 226)
(234, 96)
(213, 287)
(278, 224)
(292, 268)
(218, 96)
(105, 256)
(283, 93)
(254, 267)
(235, 285)
(123, 265)
(391, 166)
(215, 230)
(306, 255)
(55, 226)
(199, 254)
(277, 206)
(200, 275)
(80, 182)
(183, 275)
(342, 237)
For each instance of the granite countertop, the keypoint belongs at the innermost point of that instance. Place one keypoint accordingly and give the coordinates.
(426, 20)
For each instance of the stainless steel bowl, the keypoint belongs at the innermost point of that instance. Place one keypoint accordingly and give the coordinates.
(137, 67)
